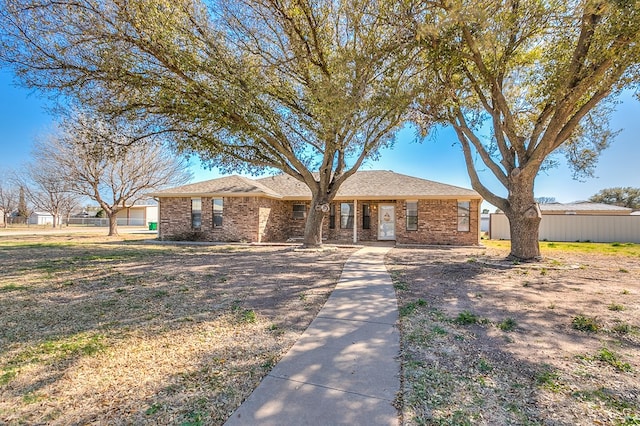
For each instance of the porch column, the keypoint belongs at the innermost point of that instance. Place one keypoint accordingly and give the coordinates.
(355, 221)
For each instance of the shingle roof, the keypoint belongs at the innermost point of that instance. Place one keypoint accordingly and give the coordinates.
(582, 206)
(229, 186)
(371, 185)
(383, 184)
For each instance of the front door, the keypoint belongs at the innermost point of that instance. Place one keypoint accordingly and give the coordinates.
(386, 222)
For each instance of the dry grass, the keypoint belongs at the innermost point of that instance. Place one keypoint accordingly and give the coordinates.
(551, 248)
(108, 331)
(487, 342)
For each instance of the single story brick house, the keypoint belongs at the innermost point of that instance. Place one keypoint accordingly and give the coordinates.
(369, 206)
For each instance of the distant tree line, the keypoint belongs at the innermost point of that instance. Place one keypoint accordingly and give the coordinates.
(618, 196)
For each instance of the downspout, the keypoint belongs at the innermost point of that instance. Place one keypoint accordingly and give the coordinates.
(355, 221)
(479, 204)
(159, 235)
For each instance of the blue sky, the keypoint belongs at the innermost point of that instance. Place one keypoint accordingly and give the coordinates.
(23, 118)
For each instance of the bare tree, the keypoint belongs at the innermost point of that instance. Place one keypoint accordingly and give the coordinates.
(311, 88)
(545, 200)
(47, 189)
(104, 163)
(22, 213)
(9, 196)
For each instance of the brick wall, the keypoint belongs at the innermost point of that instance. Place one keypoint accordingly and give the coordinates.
(346, 235)
(251, 219)
(267, 220)
(274, 219)
(174, 217)
(437, 223)
(296, 226)
(239, 220)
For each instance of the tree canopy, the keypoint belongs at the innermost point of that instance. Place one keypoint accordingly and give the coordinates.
(623, 197)
(522, 80)
(310, 88)
(313, 88)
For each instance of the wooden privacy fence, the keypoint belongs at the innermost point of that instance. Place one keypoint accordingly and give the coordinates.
(595, 228)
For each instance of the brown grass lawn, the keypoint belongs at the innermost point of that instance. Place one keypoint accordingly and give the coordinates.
(490, 342)
(116, 331)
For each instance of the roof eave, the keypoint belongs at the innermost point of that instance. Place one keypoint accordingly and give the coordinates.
(389, 197)
(214, 195)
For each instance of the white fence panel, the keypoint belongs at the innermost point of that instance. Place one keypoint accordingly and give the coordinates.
(596, 228)
(499, 227)
(101, 221)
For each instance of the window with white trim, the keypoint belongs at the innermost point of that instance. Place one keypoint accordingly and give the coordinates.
(299, 211)
(217, 204)
(412, 215)
(332, 216)
(464, 213)
(346, 215)
(366, 216)
(196, 213)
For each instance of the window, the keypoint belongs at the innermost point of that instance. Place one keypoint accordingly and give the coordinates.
(412, 215)
(196, 213)
(299, 211)
(366, 216)
(346, 215)
(464, 208)
(217, 205)
(332, 216)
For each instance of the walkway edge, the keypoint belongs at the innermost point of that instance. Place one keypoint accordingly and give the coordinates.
(344, 369)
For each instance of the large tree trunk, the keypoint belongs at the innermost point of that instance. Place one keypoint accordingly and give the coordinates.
(113, 225)
(524, 236)
(313, 227)
(524, 219)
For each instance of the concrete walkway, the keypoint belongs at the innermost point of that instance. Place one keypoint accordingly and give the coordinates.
(344, 368)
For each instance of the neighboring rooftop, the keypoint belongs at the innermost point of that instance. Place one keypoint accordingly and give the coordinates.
(370, 185)
(583, 207)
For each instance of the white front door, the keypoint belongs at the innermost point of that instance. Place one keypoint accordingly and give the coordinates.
(386, 222)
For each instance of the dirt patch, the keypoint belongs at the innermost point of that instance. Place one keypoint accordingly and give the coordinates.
(487, 341)
(96, 330)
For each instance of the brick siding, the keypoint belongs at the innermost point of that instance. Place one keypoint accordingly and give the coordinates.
(239, 219)
(346, 235)
(437, 223)
(258, 219)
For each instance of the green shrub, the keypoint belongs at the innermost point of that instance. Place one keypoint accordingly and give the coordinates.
(622, 328)
(616, 307)
(605, 355)
(188, 236)
(548, 379)
(508, 324)
(585, 323)
(411, 307)
(249, 316)
(466, 318)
